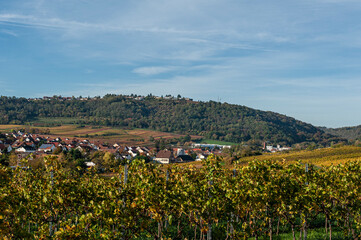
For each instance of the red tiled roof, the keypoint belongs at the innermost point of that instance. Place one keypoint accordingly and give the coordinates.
(164, 154)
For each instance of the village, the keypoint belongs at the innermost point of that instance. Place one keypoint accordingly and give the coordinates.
(132, 96)
(25, 145)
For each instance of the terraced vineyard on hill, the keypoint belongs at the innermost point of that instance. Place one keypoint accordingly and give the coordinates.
(101, 133)
(320, 157)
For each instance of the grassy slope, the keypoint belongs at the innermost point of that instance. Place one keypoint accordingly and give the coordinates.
(209, 141)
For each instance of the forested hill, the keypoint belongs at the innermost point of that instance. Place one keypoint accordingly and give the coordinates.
(213, 120)
(350, 133)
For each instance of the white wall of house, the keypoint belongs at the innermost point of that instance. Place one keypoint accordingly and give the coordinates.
(24, 150)
(50, 150)
(161, 160)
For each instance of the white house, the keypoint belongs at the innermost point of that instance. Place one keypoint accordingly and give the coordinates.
(89, 164)
(46, 148)
(164, 157)
(25, 149)
(201, 157)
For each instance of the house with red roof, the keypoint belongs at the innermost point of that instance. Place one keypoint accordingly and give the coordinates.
(164, 157)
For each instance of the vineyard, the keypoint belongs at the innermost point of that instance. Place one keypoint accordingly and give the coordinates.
(319, 157)
(262, 200)
(109, 134)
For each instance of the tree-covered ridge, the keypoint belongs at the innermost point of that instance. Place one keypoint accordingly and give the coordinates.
(214, 120)
(350, 133)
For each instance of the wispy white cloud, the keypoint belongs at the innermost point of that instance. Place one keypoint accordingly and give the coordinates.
(57, 23)
(30, 21)
(315, 82)
(153, 70)
(8, 32)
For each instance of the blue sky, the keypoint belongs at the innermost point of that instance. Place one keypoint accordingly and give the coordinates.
(299, 58)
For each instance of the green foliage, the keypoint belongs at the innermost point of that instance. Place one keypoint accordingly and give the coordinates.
(58, 150)
(73, 160)
(350, 133)
(213, 120)
(4, 159)
(146, 159)
(74, 154)
(181, 201)
(208, 141)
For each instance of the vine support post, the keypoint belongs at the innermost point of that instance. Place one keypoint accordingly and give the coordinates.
(120, 181)
(120, 188)
(125, 174)
(52, 178)
(166, 217)
(125, 182)
(50, 229)
(51, 217)
(209, 233)
(232, 214)
(305, 220)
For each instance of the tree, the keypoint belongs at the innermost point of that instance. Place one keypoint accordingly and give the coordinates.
(4, 159)
(109, 161)
(146, 159)
(13, 159)
(58, 150)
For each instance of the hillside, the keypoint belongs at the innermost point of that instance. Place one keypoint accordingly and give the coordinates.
(212, 120)
(137, 137)
(350, 133)
(319, 157)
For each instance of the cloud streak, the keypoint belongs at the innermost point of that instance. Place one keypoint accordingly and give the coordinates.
(153, 70)
(8, 32)
(58, 24)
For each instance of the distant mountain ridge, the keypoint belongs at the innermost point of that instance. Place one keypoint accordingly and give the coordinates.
(349, 133)
(213, 120)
